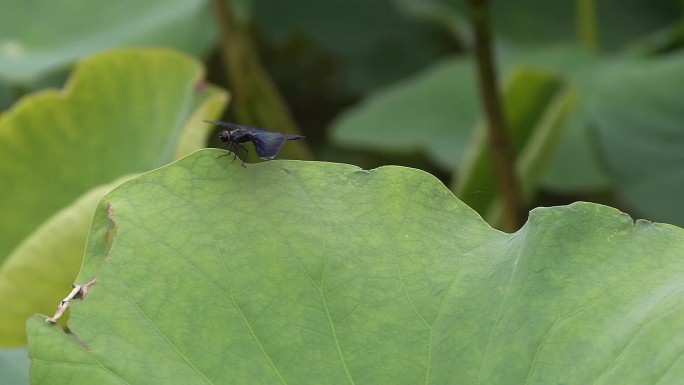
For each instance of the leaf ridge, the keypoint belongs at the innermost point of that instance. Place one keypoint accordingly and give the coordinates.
(252, 332)
(318, 288)
(161, 334)
(504, 300)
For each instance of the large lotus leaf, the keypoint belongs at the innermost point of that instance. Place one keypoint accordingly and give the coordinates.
(14, 366)
(42, 36)
(434, 111)
(121, 112)
(34, 276)
(309, 273)
(640, 123)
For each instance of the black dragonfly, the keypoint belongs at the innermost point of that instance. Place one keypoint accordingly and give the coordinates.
(266, 143)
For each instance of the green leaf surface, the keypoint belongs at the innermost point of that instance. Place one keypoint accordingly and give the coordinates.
(306, 272)
(434, 111)
(14, 366)
(46, 36)
(35, 275)
(121, 112)
(641, 133)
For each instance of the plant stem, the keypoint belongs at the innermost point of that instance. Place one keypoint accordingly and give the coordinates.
(587, 25)
(257, 99)
(229, 44)
(502, 150)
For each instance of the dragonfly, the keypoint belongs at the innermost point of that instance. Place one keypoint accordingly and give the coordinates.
(266, 143)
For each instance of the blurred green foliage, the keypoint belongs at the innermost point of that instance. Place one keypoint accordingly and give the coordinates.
(122, 112)
(368, 82)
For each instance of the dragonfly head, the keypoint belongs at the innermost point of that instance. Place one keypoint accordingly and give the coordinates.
(225, 136)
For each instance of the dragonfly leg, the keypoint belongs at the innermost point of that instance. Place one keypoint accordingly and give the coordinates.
(227, 148)
(246, 153)
(234, 150)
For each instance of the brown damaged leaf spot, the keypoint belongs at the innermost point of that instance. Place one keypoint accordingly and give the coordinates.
(111, 232)
(83, 293)
(78, 292)
(201, 86)
(110, 211)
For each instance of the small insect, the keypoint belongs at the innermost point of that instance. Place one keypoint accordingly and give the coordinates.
(266, 143)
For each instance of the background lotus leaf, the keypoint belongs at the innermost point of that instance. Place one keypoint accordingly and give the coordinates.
(640, 132)
(43, 36)
(122, 112)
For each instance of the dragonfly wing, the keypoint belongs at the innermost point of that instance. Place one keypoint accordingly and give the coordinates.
(267, 143)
